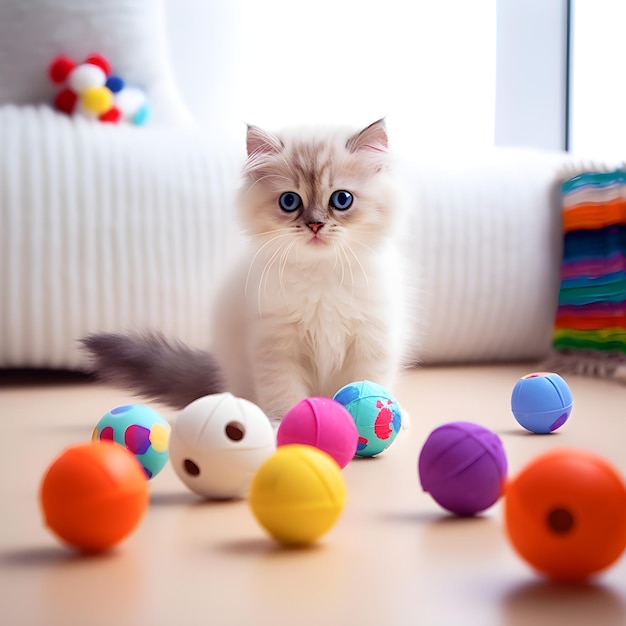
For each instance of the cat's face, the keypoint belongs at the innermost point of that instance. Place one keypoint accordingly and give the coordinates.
(315, 190)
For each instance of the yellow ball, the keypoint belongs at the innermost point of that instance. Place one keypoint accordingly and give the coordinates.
(97, 99)
(298, 494)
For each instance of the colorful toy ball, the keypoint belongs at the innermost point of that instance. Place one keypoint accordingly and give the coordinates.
(93, 495)
(376, 414)
(132, 104)
(298, 494)
(97, 100)
(141, 430)
(565, 514)
(89, 89)
(60, 68)
(463, 466)
(322, 423)
(217, 444)
(100, 61)
(86, 76)
(541, 402)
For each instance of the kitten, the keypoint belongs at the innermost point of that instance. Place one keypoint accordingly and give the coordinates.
(316, 300)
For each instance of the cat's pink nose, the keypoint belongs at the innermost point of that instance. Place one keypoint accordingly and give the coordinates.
(315, 226)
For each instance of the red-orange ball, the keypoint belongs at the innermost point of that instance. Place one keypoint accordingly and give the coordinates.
(565, 513)
(94, 495)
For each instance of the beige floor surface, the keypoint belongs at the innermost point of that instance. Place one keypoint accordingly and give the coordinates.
(394, 557)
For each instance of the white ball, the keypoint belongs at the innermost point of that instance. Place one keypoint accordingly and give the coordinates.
(217, 444)
(129, 101)
(84, 76)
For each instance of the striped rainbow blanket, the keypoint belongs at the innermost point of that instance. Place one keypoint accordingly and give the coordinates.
(591, 316)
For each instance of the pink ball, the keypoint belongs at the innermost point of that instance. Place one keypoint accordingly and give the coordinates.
(322, 423)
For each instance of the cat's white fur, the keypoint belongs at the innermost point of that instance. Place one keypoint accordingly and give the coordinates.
(303, 314)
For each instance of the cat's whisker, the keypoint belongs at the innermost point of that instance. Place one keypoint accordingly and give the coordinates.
(340, 260)
(254, 258)
(265, 276)
(283, 265)
(358, 241)
(264, 233)
(356, 258)
(343, 251)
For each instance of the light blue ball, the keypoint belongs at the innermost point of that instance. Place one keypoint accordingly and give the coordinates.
(375, 412)
(541, 402)
(142, 116)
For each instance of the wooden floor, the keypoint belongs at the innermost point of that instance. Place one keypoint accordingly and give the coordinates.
(393, 558)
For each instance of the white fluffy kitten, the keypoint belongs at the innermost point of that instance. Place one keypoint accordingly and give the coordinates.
(316, 300)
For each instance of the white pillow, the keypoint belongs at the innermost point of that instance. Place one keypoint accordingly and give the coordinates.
(130, 33)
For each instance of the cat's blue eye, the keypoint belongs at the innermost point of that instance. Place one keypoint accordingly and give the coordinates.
(290, 201)
(341, 200)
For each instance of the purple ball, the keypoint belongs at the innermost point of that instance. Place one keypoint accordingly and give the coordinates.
(463, 466)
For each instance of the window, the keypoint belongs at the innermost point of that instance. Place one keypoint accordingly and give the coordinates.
(598, 87)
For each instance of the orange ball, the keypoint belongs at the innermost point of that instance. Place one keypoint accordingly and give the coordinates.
(94, 495)
(565, 514)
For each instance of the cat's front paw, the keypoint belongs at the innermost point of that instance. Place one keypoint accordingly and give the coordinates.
(277, 406)
(276, 413)
(275, 419)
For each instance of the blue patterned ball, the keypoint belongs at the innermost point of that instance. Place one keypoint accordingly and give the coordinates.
(375, 412)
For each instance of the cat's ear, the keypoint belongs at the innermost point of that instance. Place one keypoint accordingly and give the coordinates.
(260, 142)
(372, 138)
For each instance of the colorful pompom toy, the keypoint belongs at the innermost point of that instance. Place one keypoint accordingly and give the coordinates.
(89, 89)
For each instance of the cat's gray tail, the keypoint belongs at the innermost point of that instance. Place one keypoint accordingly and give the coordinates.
(154, 367)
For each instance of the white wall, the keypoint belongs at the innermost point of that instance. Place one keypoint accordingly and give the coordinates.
(429, 66)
